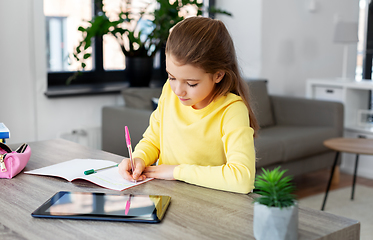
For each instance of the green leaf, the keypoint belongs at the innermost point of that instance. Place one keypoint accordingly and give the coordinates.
(87, 44)
(86, 56)
(274, 189)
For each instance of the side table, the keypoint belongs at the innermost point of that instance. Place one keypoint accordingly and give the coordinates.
(349, 145)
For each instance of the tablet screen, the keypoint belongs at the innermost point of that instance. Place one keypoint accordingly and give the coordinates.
(101, 206)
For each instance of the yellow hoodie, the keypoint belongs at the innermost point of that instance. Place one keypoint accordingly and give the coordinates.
(213, 146)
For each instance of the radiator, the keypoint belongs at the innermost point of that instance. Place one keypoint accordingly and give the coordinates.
(90, 137)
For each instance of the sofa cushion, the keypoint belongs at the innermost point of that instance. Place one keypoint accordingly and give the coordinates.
(260, 102)
(268, 151)
(137, 97)
(287, 143)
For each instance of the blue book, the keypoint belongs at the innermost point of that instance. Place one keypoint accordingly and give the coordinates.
(4, 131)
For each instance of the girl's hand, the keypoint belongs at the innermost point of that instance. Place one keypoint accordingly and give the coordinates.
(163, 171)
(126, 172)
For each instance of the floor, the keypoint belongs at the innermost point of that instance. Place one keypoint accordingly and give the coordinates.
(315, 183)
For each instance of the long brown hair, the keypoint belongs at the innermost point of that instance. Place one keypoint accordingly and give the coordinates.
(206, 43)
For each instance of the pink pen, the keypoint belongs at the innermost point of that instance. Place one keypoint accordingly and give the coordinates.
(128, 141)
(128, 205)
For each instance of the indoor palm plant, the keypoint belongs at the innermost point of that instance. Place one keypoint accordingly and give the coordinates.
(140, 31)
(275, 209)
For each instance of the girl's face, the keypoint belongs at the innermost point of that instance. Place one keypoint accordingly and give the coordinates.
(192, 85)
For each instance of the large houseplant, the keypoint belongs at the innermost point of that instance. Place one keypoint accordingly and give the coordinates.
(141, 31)
(275, 209)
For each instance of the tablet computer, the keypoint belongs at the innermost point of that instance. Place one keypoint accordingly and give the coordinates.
(101, 206)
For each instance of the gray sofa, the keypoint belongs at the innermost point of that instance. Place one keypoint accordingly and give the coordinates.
(291, 135)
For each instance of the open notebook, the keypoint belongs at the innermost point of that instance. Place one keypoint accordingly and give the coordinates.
(74, 169)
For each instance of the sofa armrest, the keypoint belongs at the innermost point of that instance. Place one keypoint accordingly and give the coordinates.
(114, 119)
(308, 112)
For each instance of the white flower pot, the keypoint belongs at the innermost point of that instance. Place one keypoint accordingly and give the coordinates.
(275, 223)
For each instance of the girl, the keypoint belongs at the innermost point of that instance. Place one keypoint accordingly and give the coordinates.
(202, 131)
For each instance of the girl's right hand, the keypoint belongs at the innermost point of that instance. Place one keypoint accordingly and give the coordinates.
(125, 169)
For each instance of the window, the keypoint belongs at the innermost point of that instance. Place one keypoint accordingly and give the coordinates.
(104, 71)
(363, 7)
(366, 38)
(56, 39)
(62, 21)
(365, 45)
(63, 17)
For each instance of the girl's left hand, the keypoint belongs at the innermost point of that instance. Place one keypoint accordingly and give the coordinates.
(163, 171)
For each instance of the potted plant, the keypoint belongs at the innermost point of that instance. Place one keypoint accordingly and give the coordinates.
(275, 209)
(141, 31)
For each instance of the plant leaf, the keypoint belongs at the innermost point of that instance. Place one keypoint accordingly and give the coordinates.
(274, 189)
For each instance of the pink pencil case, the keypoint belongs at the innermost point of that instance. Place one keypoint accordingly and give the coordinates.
(13, 162)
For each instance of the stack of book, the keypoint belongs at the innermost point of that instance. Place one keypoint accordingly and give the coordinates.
(4, 133)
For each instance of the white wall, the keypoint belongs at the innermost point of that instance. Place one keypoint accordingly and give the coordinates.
(245, 29)
(17, 69)
(287, 43)
(299, 45)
